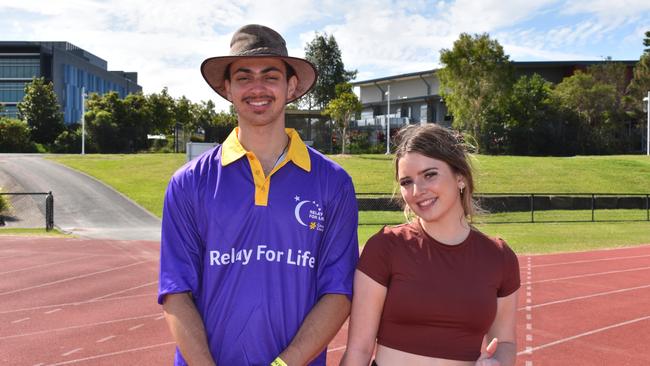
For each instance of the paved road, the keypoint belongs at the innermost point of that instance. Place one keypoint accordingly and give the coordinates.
(82, 205)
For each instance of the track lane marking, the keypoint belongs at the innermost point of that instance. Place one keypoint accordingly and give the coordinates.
(71, 352)
(105, 339)
(52, 311)
(80, 326)
(587, 296)
(567, 339)
(590, 261)
(84, 302)
(113, 354)
(591, 274)
(122, 291)
(73, 278)
(20, 320)
(136, 327)
(45, 265)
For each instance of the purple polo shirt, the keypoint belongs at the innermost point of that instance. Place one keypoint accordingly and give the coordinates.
(257, 252)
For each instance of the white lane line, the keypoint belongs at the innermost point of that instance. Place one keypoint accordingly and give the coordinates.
(589, 274)
(564, 340)
(19, 320)
(105, 339)
(39, 364)
(52, 311)
(335, 349)
(136, 327)
(80, 326)
(591, 260)
(588, 296)
(73, 278)
(46, 265)
(113, 354)
(153, 295)
(125, 290)
(71, 352)
(160, 317)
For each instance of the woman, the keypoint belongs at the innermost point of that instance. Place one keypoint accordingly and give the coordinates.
(436, 290)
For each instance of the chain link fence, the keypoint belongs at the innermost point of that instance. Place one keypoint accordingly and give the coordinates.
(525, 207)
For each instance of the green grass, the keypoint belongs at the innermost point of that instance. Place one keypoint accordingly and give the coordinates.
(141, 177)
(543, 237)
(581, 174)
(569, 237)
(32, 232)
(521, 174)
(556, 237)
(144, 177)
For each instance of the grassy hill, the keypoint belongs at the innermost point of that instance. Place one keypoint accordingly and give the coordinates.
(144, 177)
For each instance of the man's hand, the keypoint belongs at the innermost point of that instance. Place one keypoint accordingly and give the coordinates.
(187, 328)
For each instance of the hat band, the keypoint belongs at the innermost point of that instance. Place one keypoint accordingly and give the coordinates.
(260, 52)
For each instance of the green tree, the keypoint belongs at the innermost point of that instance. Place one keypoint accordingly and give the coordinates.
(14, 136)
(636, 91)
(135, 122)
(41, 111)
(222, 124)
(161, 112)
(185, 116)
(323, 51)
(646, 42)
(476, 81)
(594, 105)
(204, 116)
(341, 109)
(69, 141)
(533, 126)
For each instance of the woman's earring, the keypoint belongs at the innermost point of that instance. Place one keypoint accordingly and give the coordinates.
(461, 186)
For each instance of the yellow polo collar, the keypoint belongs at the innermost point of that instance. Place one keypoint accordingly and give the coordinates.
(232, 150)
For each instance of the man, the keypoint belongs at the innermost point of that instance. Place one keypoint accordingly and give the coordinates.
(259, 237)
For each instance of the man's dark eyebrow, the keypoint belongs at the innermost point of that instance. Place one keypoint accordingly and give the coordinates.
(249, 71)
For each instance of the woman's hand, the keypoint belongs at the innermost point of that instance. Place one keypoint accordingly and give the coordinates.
(486, 356)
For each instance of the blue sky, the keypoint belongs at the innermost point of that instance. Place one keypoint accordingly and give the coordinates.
(165, 41)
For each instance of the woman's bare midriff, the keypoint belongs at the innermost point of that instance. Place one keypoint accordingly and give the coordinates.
(391, 357)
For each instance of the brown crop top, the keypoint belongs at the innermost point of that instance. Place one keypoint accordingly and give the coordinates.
(441, 299)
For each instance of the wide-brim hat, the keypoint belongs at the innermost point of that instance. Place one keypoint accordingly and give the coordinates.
(252, 41)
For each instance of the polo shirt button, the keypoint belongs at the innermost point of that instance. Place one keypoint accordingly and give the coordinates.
(257, 172)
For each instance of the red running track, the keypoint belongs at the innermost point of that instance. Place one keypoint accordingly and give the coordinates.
(93, 302)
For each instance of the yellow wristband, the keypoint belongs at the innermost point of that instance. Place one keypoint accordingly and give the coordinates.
(278, 362)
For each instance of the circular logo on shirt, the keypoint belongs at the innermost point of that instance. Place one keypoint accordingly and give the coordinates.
(309, 214)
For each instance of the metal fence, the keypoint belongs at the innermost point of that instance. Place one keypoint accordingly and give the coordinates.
(535, 207)
(46, 207)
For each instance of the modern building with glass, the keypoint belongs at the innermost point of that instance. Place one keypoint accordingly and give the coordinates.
(69, 67)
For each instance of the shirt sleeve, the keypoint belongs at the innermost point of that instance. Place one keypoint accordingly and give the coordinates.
(375, 259)
(339, 250)
(510, 281)
(180, 246)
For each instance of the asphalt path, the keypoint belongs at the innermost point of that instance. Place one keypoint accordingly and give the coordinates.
(83, 205)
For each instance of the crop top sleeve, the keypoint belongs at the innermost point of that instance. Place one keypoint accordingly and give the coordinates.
(375, 258)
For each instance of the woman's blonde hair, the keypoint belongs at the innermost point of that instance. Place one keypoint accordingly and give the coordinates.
(443, 144)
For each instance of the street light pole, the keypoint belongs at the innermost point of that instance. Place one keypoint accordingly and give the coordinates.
(647, 136)
(388, 122)
(83, 121)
